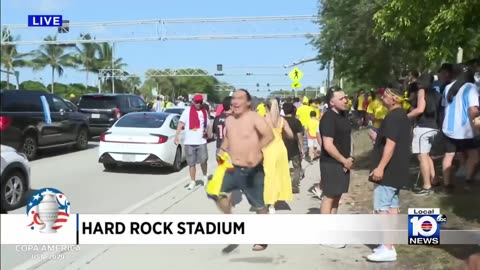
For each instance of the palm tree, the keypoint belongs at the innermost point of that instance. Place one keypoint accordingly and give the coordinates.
(86, 56)
(105, 62)
(53, 55)
(11, 58)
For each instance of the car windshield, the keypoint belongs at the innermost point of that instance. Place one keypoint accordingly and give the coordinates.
(98, 102)
(141, 120)
(175, 110)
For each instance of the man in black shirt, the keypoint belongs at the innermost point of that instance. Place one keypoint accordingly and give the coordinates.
(335, 157)
(391, 157)
(426, 106)
(294, 146)
(219, 122)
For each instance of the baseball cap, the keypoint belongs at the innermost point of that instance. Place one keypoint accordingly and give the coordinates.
(198, 98)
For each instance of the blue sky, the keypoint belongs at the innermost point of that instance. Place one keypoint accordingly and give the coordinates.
(141, 56)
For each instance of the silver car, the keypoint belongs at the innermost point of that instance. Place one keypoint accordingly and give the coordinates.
(15, 179)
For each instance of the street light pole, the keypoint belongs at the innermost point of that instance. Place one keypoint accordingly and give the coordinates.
(113, 67)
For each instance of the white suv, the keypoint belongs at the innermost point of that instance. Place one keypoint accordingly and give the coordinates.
(15, 179)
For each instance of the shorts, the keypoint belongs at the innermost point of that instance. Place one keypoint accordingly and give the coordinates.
(385, 197)
(334, 180)
(446, 144)
(196, 154)
(423, 139)
(249, 181)
(312, 143)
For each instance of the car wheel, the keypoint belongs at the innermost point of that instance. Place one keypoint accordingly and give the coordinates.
(12, 190)
(82, 139)
(177, 162)
(29, 146)
(109, 166)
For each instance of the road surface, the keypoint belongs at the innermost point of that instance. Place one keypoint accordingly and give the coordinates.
(151, 190)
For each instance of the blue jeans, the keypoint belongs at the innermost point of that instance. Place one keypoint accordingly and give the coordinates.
(385, 197)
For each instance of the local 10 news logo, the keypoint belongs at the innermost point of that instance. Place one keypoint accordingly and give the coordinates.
(424, 226)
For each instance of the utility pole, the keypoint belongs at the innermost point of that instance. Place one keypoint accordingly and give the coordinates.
(113, 67)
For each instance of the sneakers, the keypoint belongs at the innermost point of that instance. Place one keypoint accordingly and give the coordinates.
(383, 254)
(424, 191)
(378, 248)
(191, 185)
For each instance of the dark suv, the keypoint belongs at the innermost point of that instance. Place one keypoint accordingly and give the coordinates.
(34, 120)
(104, 110)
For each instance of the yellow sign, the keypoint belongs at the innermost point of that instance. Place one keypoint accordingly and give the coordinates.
(296, 85)
(296, 74)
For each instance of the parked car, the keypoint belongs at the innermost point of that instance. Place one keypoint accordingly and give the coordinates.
(70, 104)
(23, 122)
(179, 111)
(15, 178)
(142, 138)
(104, 110)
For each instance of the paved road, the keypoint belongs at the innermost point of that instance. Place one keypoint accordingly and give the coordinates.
(156, 191)
(92, 190)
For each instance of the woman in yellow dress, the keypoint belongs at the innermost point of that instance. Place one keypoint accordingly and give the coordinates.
(278, 184)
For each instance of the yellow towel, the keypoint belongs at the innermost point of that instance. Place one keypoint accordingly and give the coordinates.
(214, 186)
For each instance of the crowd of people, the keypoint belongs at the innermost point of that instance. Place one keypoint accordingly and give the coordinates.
(425, 117)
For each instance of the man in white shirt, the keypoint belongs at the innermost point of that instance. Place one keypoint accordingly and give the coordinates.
(458, 126)
(195, 120)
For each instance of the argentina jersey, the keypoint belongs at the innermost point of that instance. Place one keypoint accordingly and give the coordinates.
(457, 124)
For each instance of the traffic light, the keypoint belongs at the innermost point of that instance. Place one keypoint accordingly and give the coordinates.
(268, 85)
(219, 67)
(65, 28)
(218, 74)
(258, 85)
(249, 74)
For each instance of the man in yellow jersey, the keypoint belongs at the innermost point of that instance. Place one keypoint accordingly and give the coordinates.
(314, 104)
(312, 129)
(376, 111)
(303, 114)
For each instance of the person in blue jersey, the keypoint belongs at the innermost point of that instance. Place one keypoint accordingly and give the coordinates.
(461, 102)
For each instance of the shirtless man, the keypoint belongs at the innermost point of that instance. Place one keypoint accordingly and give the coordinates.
(247, 134)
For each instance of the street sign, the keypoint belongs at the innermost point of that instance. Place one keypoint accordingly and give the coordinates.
(296, 85)
(296, 74)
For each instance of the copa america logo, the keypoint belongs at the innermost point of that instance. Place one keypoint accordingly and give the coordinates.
(47, 210)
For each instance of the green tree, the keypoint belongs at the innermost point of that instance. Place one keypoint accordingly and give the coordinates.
(346, 37)
(87, 56)
(441, 26)
(5, 85)
(105, 61)
(10, 57)
(54, 56)
(32, 85)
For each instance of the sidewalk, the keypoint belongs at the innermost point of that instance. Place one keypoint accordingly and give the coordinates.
(181, 201)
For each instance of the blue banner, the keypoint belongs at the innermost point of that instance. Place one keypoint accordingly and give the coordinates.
(46, 110)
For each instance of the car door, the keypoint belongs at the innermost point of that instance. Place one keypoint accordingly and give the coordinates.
(173, 127)
(65, 129)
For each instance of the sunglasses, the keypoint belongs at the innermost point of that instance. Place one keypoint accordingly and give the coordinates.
(199, 102)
